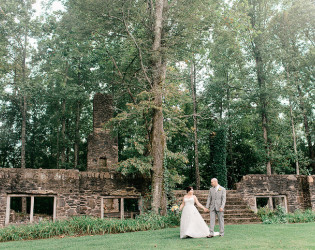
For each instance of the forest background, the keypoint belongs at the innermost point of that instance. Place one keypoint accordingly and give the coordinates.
(201, 88)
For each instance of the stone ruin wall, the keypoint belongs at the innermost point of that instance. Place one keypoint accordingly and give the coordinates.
(311, 181)
(298, 189)
(78, 193)
(94, 185)
(63, 183)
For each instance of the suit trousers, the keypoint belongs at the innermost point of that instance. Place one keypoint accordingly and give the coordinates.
(220, 216)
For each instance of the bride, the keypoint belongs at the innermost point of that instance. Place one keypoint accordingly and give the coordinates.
(191, 222)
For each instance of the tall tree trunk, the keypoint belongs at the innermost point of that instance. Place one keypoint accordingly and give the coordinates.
(24, 102)
(77, 134)
(23, 137)
(230, 167)
(68, 154)
(32, 152)
(257, 19)
(63, 122)
(57, 148)
(266, 140)
(24, 106)
(158, 136)
(193, 91)
(263, 104)
(23, 131)
(306, 128)
(294, 140)
(77, 121)
(63, 131)
(297, 168)
(221, 108)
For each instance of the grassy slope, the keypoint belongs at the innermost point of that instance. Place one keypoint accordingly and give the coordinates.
(255, 236)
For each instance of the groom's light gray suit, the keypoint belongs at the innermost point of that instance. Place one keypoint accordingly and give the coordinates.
(216, 200)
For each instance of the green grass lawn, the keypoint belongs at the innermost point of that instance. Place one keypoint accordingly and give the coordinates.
(255, 236)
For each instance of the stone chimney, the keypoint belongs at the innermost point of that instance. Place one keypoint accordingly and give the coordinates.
(102, 146)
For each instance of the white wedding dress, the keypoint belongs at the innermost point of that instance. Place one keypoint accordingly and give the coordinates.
(191, 222)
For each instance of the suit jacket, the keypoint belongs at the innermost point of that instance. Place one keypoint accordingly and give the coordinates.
(216, 199)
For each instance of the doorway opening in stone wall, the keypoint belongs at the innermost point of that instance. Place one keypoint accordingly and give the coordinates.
(131, 207)
(43, 208)
(18, 214)
(271, 202)
(120, 207)
(28, 208)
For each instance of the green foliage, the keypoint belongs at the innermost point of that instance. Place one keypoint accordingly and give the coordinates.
(86, 49)
(170, 220)
(268, 216)
(219, 156)
(86, 226)
(278, 216)
(301, 216)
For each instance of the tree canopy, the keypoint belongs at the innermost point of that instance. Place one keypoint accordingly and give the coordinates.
(201, 88)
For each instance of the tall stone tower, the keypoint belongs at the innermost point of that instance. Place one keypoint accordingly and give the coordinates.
(102, 147)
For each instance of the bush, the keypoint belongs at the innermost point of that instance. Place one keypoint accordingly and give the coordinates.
(85, 225)
(268, 216)
(301, 217)
(279, 216)
(265, 212)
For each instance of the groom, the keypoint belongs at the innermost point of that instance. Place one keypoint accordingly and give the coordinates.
(216, 202)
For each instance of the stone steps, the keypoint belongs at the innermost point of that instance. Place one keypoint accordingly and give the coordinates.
(229, 202)
(204, 192)
(233, 212)
(237, 221)
(231, 216)
(236, 210)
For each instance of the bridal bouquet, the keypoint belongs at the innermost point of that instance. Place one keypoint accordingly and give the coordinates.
(175, 208)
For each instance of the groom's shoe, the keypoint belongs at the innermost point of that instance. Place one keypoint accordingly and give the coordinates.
(210, 236)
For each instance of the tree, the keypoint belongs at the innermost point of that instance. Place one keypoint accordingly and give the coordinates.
(293, 28)
(157, 143)
(219, 156)
(194, 99)
(258, 12)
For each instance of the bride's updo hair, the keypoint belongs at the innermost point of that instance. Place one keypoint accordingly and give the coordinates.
(189, 188)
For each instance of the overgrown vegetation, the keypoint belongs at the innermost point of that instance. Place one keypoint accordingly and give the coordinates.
(279, 216)
(46, 86)
(301, 216)
(85, 225)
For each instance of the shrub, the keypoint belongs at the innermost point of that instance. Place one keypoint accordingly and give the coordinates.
(268, 216)
(84, 225)
(264, 212)
(301, 216)
(279, 216)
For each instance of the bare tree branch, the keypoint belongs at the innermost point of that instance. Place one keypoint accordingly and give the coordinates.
(138, 47)
(122, 76)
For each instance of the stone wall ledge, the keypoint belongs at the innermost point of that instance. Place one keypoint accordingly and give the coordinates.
(29, 173)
